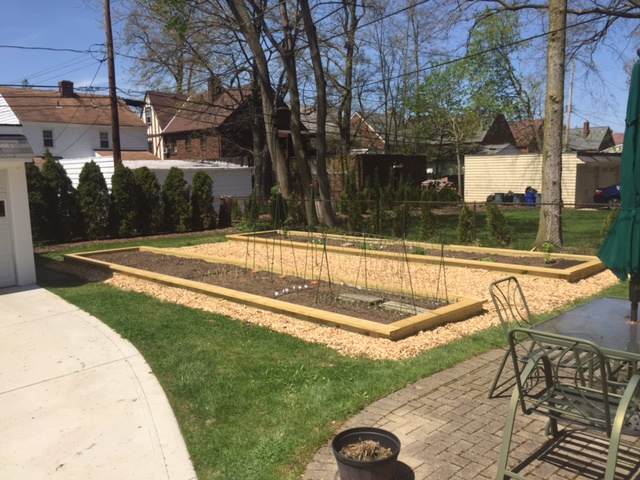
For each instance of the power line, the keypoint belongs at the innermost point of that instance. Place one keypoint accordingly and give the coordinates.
(51, 49)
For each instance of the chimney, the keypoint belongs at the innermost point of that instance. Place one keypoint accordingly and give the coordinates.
(585, 130)
(66, 88)
(215, 88)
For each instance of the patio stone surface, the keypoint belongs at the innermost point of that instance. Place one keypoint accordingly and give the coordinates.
(450, 430)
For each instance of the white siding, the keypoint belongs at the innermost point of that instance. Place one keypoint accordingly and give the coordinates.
(73, 167)
(15, 188)
(154, 132)
(227, 181)
(77, 141)
(486, 175)
(7, 117)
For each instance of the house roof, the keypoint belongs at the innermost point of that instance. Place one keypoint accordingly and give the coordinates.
(196, 113)
(524, 132)
(14, 146)
(46, 106)
(590, 139)
(166, 105)
(183, 164)
(129, 154)
(309, 118)
(618, 138)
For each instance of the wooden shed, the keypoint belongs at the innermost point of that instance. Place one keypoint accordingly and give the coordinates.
(582, 173)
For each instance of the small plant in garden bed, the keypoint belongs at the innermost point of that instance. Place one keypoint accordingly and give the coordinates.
(418, 251)
(488, 259)
(547, 248)
(371, 246)
(366, 451)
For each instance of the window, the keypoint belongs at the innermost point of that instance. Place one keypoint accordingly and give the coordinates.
(188, 143)
(147, 115)
(104, 139)
(47, 138)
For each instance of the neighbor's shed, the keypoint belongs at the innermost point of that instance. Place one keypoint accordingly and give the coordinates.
(582, 173)
(17, 266)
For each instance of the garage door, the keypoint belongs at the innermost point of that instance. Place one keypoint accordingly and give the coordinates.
(7, 262)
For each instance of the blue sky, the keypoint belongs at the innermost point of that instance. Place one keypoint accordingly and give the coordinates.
(58, 24)
(77, 25)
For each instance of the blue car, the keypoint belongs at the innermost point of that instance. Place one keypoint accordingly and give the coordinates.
(608, 195)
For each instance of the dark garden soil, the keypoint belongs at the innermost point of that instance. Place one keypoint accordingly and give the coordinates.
(447, 253)
(315, 294)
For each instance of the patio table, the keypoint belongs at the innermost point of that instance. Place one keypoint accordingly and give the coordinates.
(603, 321)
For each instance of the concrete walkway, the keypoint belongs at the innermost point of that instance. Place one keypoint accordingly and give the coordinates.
(77, 401)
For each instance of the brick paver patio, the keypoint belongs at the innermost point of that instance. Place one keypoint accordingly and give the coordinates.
(449, 429)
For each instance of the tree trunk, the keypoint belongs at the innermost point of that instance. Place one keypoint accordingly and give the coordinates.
(550, 226)
(349, 7)
(324, 206)
(287, 50)
(267, 95)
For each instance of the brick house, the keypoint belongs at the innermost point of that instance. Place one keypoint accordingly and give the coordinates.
(214, 125)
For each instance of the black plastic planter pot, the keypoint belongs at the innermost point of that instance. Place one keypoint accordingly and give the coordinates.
(351, 469)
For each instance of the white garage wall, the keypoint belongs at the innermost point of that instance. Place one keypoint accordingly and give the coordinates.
(489, 174)
(18, 211)
(228, 180)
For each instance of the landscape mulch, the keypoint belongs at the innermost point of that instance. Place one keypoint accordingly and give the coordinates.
(543, 294)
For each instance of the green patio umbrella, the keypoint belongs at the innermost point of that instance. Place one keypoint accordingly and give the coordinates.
(620, 251)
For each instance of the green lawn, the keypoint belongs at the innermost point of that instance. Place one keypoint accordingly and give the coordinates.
(253, 403)
(582, 229)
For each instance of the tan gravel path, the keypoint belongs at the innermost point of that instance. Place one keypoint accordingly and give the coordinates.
(543, 295)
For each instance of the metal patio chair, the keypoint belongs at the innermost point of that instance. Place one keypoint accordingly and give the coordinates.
(513, 312)
(559, 387)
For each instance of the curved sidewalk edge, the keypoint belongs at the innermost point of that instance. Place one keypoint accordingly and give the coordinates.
(77, 400)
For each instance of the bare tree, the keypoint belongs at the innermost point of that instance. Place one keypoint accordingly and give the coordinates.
(248, 24)
(324, 207)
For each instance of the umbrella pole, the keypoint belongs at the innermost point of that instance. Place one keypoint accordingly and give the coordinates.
(634, 296)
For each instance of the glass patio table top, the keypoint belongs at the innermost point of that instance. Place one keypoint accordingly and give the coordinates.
(603, 321)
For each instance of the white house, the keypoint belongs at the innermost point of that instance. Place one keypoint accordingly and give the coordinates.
(17, 265)
(582, 173)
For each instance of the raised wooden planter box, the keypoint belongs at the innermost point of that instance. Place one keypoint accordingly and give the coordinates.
(586, 265)
(459, 308)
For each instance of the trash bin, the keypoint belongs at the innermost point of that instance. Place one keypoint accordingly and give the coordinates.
(530, 198)
(499, 197)
(518, 198)
(538, 199)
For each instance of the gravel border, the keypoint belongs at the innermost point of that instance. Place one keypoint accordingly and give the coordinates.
(543, 295)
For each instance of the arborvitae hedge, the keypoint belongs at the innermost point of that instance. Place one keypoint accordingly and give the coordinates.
(37, 186)
(63, 208)
(202, 209)
(149, 209)
(94, 201)
(466, 225)
(125, 196)
(428, 222)
(497, 224)
(176, 199)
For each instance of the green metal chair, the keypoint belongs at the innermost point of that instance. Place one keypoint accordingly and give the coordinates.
(567, 387)
(513, 311)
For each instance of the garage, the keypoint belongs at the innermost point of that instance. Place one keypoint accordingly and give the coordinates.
(17, 265)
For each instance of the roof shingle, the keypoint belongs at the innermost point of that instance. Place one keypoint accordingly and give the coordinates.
(45, 106)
